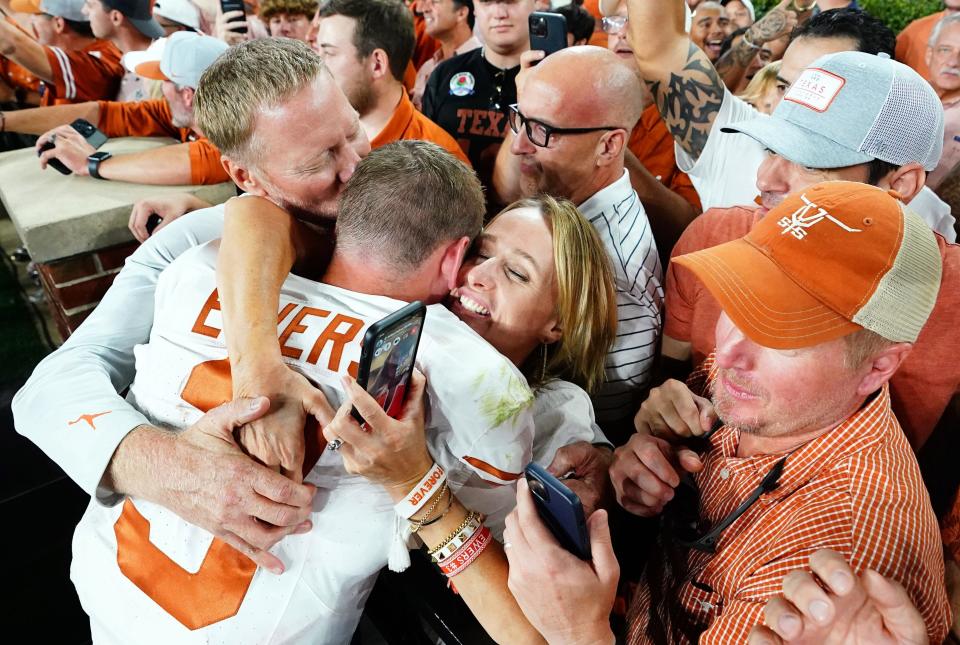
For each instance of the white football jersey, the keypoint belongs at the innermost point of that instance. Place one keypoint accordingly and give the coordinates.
(146, 576)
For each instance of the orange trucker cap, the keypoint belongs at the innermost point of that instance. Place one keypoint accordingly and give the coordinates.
(828, 261)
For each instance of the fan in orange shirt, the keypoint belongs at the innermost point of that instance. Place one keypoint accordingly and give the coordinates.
(178, 61)
(61, 59)
(914, 40)
(366, 45)
(93, 70)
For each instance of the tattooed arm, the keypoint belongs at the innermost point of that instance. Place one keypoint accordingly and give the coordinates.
(685, 86)
(779, 22)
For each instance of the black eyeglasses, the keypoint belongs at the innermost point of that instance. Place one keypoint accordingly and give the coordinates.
(688, 531)
(538, 132)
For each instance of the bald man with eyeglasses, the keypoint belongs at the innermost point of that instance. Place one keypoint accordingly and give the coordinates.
(568, 136)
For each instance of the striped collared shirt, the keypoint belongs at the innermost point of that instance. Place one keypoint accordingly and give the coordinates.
(618, 216)
(856, 490)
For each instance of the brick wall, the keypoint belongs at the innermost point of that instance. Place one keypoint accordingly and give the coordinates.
(75, 285)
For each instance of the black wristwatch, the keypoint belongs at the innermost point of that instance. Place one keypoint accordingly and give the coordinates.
(94, 161)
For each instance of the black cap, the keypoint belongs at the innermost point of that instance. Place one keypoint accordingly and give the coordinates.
(140, 13)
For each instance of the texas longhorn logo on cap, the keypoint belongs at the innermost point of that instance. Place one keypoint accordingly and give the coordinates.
(806, 216)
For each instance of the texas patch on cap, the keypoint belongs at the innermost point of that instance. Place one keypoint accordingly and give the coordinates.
(826, 262)
(180, 58)
(850, 108)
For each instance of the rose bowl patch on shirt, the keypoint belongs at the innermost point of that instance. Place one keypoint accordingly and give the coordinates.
(462, 84)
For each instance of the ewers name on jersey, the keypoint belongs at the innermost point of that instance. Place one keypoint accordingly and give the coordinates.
(145, 575)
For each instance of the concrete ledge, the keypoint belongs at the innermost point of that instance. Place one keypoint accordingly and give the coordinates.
(58, 216)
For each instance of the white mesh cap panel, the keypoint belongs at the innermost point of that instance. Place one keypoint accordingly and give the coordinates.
(909, 127)
(905, 296)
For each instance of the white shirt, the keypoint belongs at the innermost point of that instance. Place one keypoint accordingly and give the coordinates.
(480, 429)
(618, 216)
(725, 174)
(96, 362)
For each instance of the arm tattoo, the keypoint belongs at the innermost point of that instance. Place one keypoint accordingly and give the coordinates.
(690, 101)
(772, 26)
(735, 62)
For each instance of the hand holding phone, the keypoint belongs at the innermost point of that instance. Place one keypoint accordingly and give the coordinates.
(235, 5)
(388, 356)
(560, 510)
(548, 32)
(87, 130)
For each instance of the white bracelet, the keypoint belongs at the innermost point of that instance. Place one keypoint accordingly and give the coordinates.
(418, 496)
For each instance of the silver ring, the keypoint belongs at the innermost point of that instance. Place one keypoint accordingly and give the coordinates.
(334, 445)
(507, 545)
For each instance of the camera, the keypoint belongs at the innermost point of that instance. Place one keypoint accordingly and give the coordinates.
(538, 489)
(538, 26)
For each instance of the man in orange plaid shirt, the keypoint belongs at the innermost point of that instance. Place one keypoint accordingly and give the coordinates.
(796, 449)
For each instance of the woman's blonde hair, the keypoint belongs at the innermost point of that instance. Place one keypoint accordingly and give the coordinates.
(586, 299)
(762, 82)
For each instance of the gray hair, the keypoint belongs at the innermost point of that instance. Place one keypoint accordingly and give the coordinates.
(938, 28)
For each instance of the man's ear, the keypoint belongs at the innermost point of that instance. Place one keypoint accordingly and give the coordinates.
(379, 64)
(907, 180)
(117, 18)
(883, 365)
(451, 261)
(242, 177)
(187, 94)
(928, 57)
(59, 25)
(610, 146)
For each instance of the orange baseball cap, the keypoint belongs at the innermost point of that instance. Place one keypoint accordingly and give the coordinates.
(828, 261)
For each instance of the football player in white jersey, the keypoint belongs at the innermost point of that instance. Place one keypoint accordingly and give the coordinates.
(145, 575)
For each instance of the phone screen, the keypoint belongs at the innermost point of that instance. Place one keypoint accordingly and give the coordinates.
(394, 351)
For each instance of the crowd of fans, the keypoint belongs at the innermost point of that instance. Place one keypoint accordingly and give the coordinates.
(700, 264)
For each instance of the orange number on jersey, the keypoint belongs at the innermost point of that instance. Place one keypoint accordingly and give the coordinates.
(217, 589)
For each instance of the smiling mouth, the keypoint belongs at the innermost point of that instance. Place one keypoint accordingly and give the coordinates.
(472, 305)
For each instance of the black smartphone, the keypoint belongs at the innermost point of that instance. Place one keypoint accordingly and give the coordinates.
(87, 130)
(560, 509)
(548, 32)
(387, 358)
(235, 5)
(152, 223)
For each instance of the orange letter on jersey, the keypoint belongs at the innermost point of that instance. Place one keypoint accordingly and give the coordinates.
(201, 326)
(216, 591)
(296, 328)
(339, 340)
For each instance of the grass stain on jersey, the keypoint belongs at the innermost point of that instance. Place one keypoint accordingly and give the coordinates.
(509, 396)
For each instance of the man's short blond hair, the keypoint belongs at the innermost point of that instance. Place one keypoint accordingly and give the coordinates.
(405, 200)
(247, 79)
(271, 8)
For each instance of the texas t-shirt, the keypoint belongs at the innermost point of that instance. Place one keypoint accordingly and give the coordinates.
(468, 97)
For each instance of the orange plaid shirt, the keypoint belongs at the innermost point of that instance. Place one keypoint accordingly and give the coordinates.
(856, 490)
